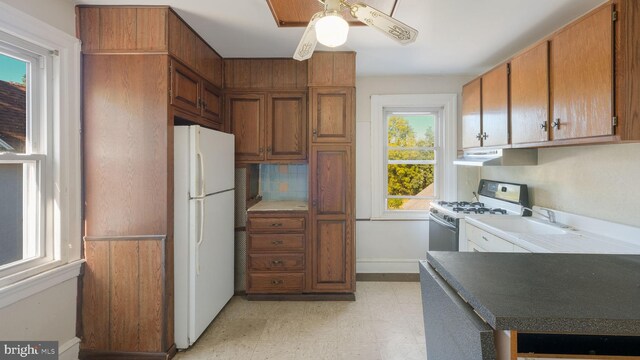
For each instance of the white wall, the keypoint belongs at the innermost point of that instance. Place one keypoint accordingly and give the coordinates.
(394, 246)
(599, 181)
(49, 314)
(58, 13)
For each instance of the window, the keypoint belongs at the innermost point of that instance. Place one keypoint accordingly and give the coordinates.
(25, 156)
(39, 155)
(411, 153)
(413, 145)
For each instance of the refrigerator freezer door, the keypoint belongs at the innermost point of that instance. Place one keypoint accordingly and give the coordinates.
(211, 270)
(212, 161)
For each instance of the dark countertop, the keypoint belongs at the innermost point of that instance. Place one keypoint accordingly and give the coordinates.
(558, 293)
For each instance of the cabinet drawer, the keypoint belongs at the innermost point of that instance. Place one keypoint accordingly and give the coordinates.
(276, 282)
(493, 243)
(277, 224)
(277, 262)
(276, 242)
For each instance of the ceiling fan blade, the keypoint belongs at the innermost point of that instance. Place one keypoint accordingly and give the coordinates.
(375, 18)
(308, 42)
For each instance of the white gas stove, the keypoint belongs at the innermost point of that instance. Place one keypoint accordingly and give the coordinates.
(446, 226)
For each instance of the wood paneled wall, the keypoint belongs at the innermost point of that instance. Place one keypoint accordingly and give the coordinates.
(123, 290)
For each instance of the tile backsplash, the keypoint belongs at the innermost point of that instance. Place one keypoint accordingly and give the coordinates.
(284, 182)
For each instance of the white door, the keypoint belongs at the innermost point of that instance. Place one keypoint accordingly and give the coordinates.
(212, 260)
(212, 161)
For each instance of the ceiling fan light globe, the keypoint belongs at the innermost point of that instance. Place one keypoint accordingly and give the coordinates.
(332, 30)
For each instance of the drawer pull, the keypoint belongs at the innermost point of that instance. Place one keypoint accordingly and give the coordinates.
(276, 282)
(485, 239)
(277, 242)
(276, 225)
(276, 262)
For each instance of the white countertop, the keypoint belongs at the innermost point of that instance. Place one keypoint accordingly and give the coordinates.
(268, 205)
(575, 240)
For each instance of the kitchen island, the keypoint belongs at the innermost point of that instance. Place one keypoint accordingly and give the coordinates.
(470, 297)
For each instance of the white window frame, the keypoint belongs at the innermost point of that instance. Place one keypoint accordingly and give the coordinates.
(446, 175)
(57, 153)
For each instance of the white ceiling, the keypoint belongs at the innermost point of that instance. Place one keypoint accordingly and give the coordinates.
(456, 36)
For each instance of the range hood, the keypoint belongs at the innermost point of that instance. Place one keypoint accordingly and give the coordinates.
(498, 157)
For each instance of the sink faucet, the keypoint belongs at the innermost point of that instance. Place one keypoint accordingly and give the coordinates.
(550, 215)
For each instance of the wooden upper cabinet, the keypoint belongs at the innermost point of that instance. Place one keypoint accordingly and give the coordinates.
(287, 126)
(332, 69)
(185, 88)
(122, 29)
(495, 107)
(332, 115)
(530, 95)
(265, 74)
(182, 41)
(211, 104)
(582, 77)
(471, 114)
(246, 115)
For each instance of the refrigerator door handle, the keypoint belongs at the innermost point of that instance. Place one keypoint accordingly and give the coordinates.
(200, 235)
(201, 191)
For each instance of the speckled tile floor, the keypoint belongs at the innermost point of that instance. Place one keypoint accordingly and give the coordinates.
(384, 323)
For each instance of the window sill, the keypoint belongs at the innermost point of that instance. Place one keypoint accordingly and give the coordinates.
(37, 283)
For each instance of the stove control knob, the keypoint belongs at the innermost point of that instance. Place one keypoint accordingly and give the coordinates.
(435, 211)
(447, 218)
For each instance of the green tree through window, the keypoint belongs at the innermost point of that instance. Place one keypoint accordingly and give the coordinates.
(411, 155)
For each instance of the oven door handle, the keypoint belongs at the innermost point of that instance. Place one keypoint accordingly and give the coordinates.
(442, 222)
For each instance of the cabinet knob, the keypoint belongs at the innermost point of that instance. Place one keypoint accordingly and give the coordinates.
(485, 136)
(543, 126)
(479, 136)
(269, 149)
(276, 225)
(277, 242)
(314, 203)
(276, 282)
(276, 262)
(261, 150)
(556, 124)
(315, 134)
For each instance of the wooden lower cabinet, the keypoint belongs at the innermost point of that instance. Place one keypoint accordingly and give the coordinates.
(276, 259)
(332, 219)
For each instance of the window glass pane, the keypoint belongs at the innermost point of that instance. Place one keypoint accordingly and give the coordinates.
(408, 204)
(411, 154)
(11, 213)
(411, 130)
(410, 180)
(13, 105)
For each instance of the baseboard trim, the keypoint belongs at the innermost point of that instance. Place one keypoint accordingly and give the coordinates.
(69, 350)
(108, 355)
(302, 297)
(394, 277)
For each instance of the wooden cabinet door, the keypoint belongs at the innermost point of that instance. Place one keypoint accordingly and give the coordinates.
(287, 126)
(185, 88)
(582, 77)
(211, 103)
(472, 114)
(495, 107)
(332, 118)
(332, 228)
(332, 69)
(530, 96)
(246, 115)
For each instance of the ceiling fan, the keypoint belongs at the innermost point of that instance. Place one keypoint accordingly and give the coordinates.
(329, 27)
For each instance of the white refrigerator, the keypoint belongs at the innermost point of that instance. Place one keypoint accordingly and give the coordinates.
(203, 231)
